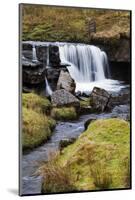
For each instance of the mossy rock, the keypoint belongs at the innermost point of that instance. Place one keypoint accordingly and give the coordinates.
(36, 102)
(36, 128)
(64, 113)
(100, 157)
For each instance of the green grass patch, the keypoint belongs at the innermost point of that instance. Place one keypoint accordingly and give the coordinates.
(64, 113)
(37, 127)
(99, 159)
(85, 102)
(36, 102)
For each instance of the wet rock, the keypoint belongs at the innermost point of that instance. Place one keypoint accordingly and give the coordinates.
(33, 72)
(86, 110)
(121, 111)
(54, 56)
(86, 124)
(41, 52)
(27, 51)
(64, 143)
(29, 64)
(118, 99)
(99, 99)
(64, 98)
(66, 82)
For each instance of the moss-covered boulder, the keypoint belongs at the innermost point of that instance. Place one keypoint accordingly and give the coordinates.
(99, 159)
(64, 113)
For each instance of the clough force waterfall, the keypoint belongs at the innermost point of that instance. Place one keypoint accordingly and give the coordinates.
(88, 65)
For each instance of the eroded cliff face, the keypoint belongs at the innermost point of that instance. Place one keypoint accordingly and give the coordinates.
(117, 46)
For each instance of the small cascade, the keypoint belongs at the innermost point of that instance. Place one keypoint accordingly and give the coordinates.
(47, 63)
(48, 88)
(34, 55)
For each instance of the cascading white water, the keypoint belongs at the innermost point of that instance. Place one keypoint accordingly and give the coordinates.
(48, 88)
(89, 61)
(34, 55)
(88, 67)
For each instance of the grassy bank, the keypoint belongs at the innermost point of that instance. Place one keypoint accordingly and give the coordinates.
(37, 126)
(99, 159)
(59, 24)
(39, 117)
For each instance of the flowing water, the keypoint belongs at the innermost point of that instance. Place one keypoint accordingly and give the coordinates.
(31, 183)
(48, 88)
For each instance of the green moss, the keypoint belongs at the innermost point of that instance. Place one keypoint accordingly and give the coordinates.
(85, 102)
(36, 129)
(64, 113)
(97, 158)
(36, 102)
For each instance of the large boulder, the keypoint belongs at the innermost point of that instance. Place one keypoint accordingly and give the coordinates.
(64, 98)
(99, 99)
(66, 82)
(33, 72)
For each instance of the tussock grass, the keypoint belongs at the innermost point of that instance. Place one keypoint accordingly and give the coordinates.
(56, 177)
(36, 102)
(37, 127)
(96, 158)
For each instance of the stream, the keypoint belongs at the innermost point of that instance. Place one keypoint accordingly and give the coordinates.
(31, 183)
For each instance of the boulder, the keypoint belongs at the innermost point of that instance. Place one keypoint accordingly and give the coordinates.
(64, 98)
(123, 97)
(65, 142)
(54, 56)
(41, 52)
(66, 82)
(99, 99)
(86, 124)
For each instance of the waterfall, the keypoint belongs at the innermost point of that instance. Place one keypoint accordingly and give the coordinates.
(89, 67)
(89, 61)
(48, 88)
(34, 55)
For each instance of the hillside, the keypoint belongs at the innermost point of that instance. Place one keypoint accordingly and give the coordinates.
(46, 23)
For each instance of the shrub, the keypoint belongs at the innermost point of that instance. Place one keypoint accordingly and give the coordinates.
(35, 129)
(36, 102)
(64, 113)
